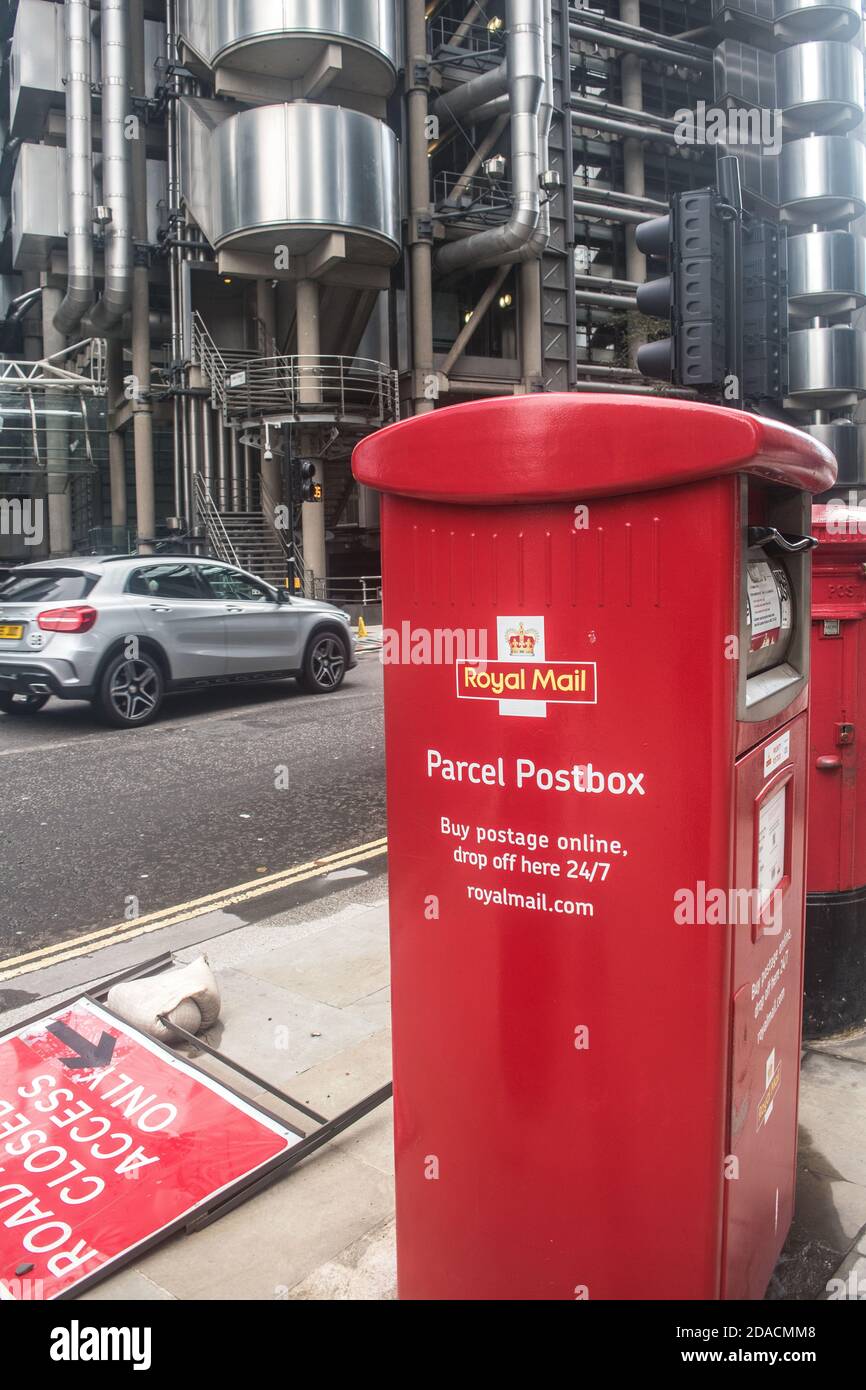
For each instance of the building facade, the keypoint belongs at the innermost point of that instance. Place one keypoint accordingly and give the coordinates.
(240, 237)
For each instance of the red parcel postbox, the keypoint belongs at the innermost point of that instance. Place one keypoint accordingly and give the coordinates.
(835, 982)
(597, 830)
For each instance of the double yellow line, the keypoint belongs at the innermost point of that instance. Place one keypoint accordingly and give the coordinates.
(184, 912)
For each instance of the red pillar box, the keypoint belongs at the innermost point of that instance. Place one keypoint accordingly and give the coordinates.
(597, 837)
(835, 993)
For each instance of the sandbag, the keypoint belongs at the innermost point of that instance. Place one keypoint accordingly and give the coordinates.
(188, 996)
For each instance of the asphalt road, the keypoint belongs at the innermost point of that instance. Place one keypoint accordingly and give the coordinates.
(227, 784)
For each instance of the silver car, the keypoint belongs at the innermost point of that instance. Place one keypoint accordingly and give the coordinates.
(122, 631)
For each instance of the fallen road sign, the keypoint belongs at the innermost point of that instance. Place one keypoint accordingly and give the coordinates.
(108, 1143)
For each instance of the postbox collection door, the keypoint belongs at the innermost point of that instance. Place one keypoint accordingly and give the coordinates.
(837, 834)
(760, 1165)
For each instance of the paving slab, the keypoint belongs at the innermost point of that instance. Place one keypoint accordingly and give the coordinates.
(339, 965)
(275, 1033)
(365, 1271)
(335, 1085)
(833, 1117)
(271, 1243)
(129, 1286)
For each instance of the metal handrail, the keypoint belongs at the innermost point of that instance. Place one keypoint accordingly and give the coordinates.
(324, 386)
(218, 537)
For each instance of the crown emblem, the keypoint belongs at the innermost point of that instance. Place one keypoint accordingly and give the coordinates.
(520, 642)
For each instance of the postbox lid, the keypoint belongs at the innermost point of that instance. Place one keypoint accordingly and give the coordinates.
(560, 446)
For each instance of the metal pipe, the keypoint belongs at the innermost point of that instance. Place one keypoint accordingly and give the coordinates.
(205, 425)
(472, 324)
(116, 443)
(600, 369)
(526, 82)
(19, 306)
(179, 434)
(116, 166)
(79, 170)
(466, 24)
(497, 107)
(610, 301)
(606, 213)
(420, 241)
(56, 439)
(627, 389)
(597, 281)
(530, 321)
(630, 112)
(248, 487)
(588, 120)
(614, 196)
(476, 92)
(632, 149)
(142, 410)
(222, 478)
(309, 347)
(650, 47)
(235, 478)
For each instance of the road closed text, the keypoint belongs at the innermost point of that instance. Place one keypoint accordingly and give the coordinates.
(524, 772)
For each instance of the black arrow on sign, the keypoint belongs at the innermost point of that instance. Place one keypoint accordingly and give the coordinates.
(89, 1055)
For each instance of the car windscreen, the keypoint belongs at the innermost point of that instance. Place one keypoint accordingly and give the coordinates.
(42, 586)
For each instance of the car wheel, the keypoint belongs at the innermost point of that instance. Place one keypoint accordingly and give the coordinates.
(130, 691)
(26, 703)
(324, 664)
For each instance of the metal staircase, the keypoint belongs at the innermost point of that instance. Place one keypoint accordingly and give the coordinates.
(248, 540)
(256, 545)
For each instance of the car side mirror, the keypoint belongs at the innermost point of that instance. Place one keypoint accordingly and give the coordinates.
(282, 595)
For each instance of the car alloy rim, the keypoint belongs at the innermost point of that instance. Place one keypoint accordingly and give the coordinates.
(134, 689)
(328, 662)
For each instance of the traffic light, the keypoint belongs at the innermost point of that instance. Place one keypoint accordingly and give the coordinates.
(308, 489)
(691, 239)
(765, 311)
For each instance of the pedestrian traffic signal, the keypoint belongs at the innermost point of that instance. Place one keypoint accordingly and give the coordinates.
(692, 296)
(309, 489)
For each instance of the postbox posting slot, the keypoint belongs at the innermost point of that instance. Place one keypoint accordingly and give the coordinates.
(775, 576)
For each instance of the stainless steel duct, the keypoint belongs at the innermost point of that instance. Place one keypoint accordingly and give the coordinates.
(116, 166)
(515, 239)
(842, 437)
(826, 273)
(820, 87)
(800, 20)
(827, 367)
(823, 179)
(474, 93)
(79, 173)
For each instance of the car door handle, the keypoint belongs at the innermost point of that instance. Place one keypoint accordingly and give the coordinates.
(160, 608)
(229, 609)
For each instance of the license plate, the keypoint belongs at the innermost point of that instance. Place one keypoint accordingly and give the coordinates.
(11, 632)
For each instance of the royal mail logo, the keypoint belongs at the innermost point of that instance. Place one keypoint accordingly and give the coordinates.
(520, 642)
(554, 682)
